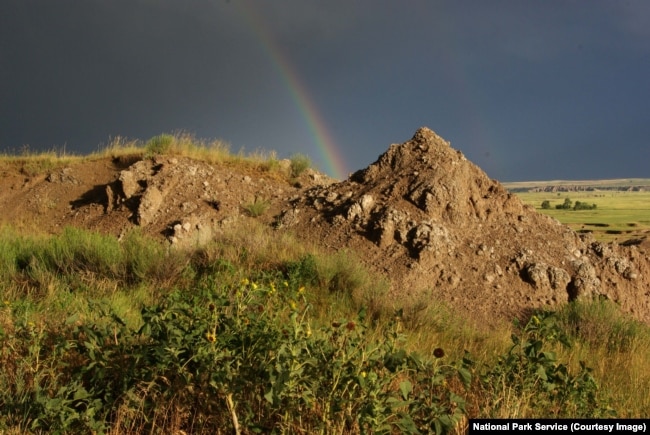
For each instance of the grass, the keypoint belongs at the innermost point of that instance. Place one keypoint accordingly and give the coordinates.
(299, 164)
(257, 207)
(57, 287)
(178, 144)
(619, 215)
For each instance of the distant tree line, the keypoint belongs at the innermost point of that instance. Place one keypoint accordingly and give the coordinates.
(569, 205)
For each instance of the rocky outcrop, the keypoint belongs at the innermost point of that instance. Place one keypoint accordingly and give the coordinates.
(436, 224)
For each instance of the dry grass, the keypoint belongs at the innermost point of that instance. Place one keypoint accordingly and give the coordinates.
(177, 144)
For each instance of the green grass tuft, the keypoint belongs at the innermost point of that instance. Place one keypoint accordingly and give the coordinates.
(299, 164)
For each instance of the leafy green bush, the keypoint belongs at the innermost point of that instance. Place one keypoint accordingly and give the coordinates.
(304, 270)
(584, 206)
(244, 358)
(37, 391)
(530, 370)
(566, 205)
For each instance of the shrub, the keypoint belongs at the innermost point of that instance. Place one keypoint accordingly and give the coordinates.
(530, 375)
(299, 163)
(304, 270)
(583, 206)
(546, 205)
(217, 358)
(257, 207)
(160, 144)
(600, 324)
(566, 205)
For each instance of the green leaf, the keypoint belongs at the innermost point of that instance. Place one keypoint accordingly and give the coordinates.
(406, 425)
(541, 372)
(465, 376)
(455, 398)
(72, 319)
(80, 393)
(269, 395)
(549, 356)
(394, 360)
(406, 388)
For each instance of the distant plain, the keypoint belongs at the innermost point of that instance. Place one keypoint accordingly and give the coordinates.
(620, 215)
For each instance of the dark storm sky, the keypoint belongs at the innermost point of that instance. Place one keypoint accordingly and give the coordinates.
(528, 90)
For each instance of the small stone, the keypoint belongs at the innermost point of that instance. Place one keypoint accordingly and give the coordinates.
(331, 197)
(367, 202)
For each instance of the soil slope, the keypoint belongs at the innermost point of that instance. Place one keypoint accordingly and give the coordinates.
(422, 215)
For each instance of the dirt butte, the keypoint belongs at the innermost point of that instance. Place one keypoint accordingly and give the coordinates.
(422, 215)
(439, 228)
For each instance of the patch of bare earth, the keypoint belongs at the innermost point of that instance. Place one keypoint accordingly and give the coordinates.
(421, 215)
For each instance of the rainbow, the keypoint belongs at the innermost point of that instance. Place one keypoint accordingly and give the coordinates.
(327, 148)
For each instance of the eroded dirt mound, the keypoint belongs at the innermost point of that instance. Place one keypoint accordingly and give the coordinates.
(185, 201)
(422, 215)
(440, 228)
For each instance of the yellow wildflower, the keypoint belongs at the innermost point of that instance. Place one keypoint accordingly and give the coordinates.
(292, 304)
(286, 284)
(301, 290)
(244, 281)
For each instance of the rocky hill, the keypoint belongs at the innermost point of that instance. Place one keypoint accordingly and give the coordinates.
(422, 215)
(440, 228)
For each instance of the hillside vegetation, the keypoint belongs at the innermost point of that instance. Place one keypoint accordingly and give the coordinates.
(261, 331)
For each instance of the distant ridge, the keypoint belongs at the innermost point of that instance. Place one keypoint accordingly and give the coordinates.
(621, 184)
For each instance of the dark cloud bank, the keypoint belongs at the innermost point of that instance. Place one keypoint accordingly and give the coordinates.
(526, 89)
